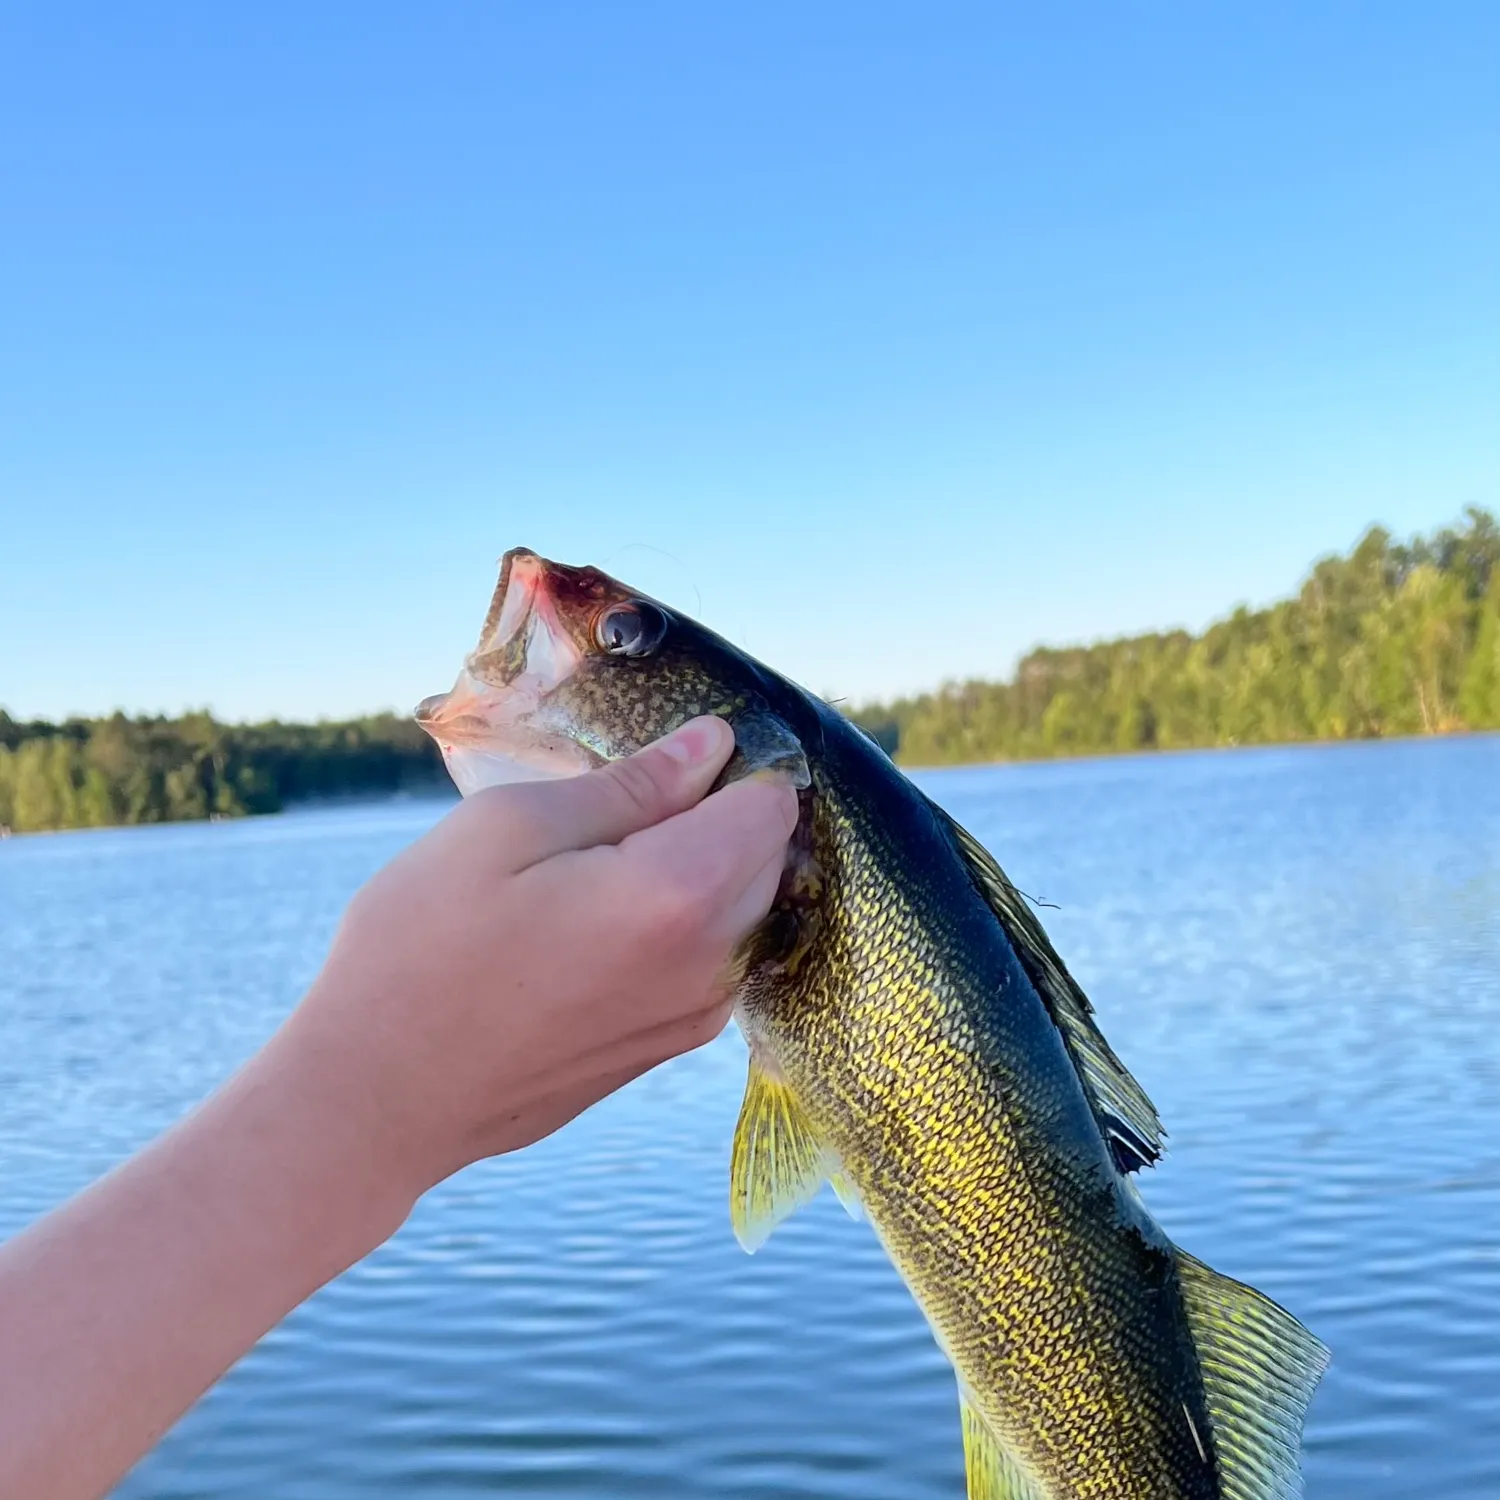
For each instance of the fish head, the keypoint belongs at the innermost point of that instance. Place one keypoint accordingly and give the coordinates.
(574, 668)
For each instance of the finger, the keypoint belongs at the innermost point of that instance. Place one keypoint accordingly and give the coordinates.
(604, 806)
(623, 1062)
(715, 852)
(551, 1111)
(696, 1023)
(608, 1069)
(646, 1049)
(687, 1035)
(746, 913)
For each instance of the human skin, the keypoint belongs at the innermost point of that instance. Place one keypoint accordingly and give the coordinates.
(540, 947)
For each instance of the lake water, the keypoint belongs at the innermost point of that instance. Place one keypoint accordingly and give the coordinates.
(1296, 951)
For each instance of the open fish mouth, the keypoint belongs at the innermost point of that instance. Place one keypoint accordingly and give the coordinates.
(494, 725)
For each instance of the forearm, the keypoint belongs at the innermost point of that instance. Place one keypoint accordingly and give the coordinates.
(534, 951)
(118, 1310)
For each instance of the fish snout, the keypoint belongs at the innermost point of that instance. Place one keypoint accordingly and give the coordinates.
(468, 714)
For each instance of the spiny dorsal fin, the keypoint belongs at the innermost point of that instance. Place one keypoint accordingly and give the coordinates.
(1127, 1118)
(777, 1163)
(1260, 1367)
(991, 1472)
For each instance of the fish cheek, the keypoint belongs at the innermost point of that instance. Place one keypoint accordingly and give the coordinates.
(620, 705)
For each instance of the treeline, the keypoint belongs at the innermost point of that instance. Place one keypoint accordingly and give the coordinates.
(1394, 639)
(87, 773)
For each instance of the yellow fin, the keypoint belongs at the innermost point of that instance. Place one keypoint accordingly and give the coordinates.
(777, 1163)
(1260, 1366)
(993, 1475)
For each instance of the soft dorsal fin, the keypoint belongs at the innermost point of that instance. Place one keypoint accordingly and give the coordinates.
(1260, 1367)
(1127, 1118)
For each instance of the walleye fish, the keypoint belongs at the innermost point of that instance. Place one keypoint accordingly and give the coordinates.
(915, 1040)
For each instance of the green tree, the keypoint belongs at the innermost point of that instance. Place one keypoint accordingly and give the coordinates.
(1479, 698)
(1395, 638)
(43, 795)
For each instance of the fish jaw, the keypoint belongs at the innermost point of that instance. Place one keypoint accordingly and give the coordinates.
(492, 737)
(496, 725)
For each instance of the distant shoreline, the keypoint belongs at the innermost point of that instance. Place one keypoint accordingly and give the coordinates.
(309, 804)
(1162, 752)
(449, 793)
(120, 772)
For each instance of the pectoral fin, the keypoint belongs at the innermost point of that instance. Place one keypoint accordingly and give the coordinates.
(1260, 1367)
(777, 1163)
(993, 1474)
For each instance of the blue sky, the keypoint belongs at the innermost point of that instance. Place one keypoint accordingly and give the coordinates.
(892, 340)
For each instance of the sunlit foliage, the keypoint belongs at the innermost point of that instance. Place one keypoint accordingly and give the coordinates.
(89, 772)
(1394, 639)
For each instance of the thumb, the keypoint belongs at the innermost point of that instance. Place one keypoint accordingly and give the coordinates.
(606, 805)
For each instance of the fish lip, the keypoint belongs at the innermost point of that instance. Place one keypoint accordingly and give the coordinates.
(480, 727)
(427, 711)
(458, 717)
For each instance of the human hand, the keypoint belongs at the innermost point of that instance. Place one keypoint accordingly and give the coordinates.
(543, 945)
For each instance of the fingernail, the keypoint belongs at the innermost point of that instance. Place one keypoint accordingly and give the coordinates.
(696, 741)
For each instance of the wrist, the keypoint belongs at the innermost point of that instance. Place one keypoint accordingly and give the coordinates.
(319, 1150)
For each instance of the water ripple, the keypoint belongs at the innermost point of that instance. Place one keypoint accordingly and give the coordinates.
(1297, 951)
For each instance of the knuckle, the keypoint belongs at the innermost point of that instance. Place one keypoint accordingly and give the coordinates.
(371, 913)
(489, 815)
(488, 805)
(635, 787)
(365, 905)
(498, 825)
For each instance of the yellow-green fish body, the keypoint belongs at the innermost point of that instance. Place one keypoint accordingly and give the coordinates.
(915, 1039)
(911, 1045)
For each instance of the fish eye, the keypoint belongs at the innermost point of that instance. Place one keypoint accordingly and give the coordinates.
(630, 629)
